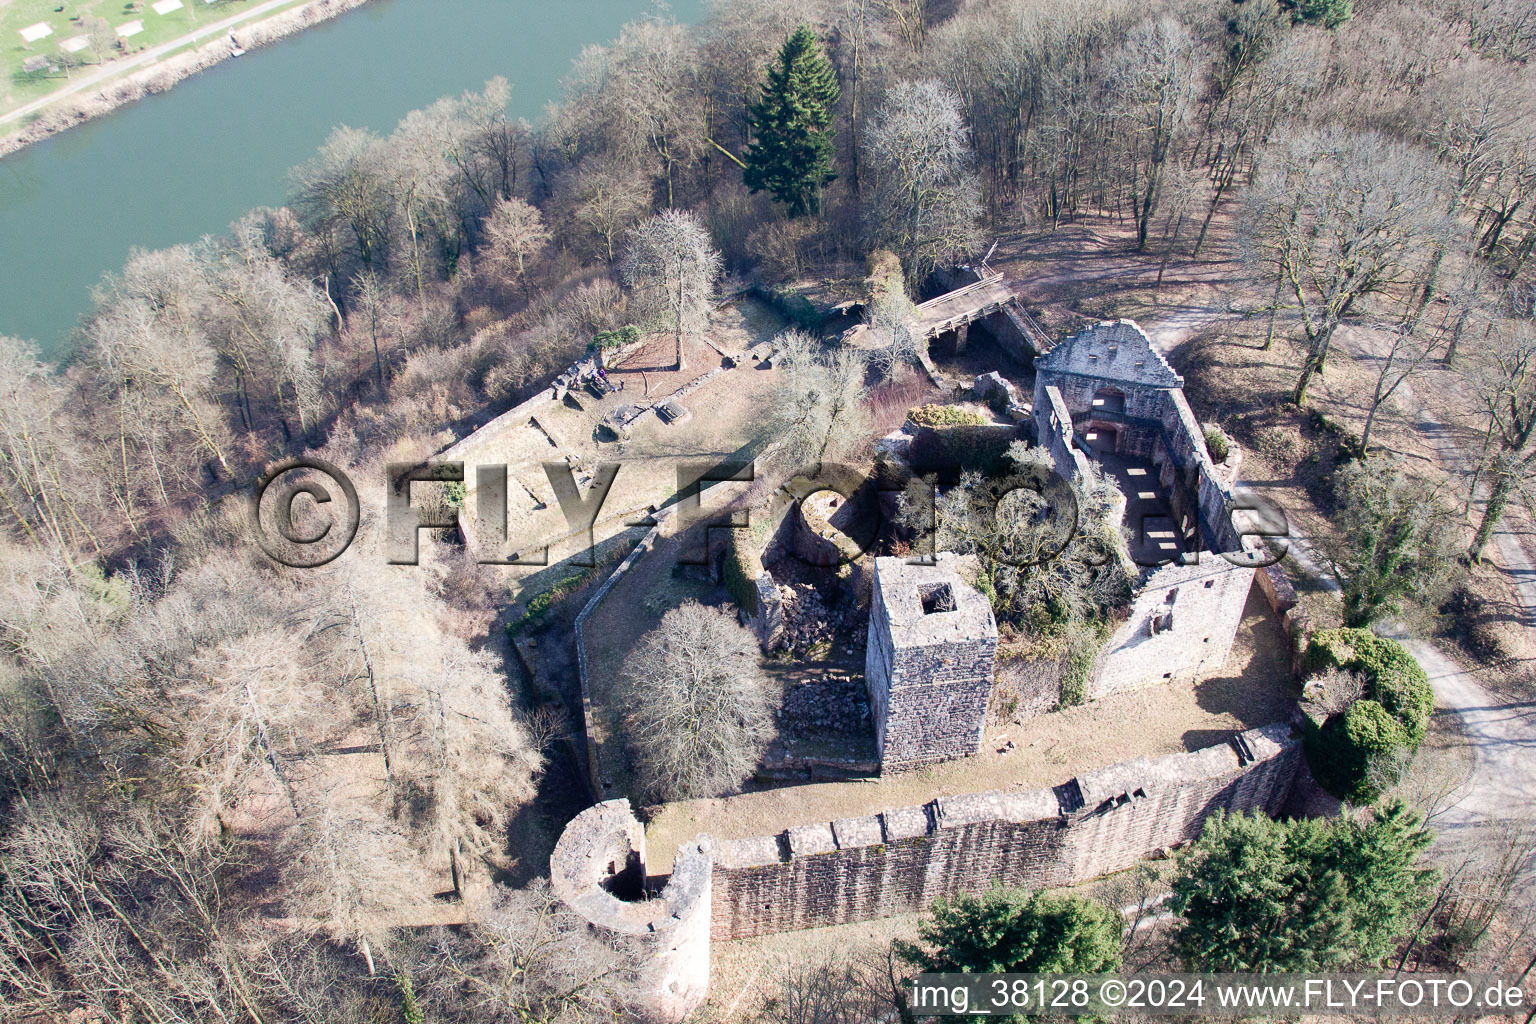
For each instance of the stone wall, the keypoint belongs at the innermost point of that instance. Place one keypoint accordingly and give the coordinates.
(598, 868)
(1053, 432)
(928, 662)
(901, 860)
(896, 861)
(1197, 610)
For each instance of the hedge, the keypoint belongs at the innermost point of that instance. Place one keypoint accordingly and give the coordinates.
(617, 338)
(1392, 675)
(1393, 711)
(1342, 749)
(949, 451)
(740, 571)
(947, 416)
(792, 306)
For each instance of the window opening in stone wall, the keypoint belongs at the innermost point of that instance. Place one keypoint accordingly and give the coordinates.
(936, 598)
(627, 883)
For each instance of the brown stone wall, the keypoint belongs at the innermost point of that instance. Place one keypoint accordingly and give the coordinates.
(901, 860)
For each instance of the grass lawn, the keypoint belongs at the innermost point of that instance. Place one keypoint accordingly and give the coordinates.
(97, 21)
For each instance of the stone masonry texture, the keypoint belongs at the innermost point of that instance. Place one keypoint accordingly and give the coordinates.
(928, 662)
(900, 860)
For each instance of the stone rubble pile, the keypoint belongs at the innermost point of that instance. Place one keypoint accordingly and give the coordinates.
(831, 702)
(808, 620)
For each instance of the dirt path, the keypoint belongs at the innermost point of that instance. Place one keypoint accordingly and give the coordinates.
(139, 60)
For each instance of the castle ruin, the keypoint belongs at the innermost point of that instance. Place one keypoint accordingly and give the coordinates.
(1107, 401)
(900, 860)
(928, 664)
(1106, 406)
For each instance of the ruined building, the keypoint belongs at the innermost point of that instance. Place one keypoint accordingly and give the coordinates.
(928, 664)
(1106, 401)
(1106, 406)
(897, 860)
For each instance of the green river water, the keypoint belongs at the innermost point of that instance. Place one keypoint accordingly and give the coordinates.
(174, 167)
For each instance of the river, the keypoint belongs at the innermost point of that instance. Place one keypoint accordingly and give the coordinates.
(174, 167)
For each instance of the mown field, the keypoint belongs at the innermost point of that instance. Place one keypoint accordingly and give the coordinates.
(97, 22)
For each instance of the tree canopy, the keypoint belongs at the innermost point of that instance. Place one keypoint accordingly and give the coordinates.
(792, 134)
(1258, 895)
(1018, 931)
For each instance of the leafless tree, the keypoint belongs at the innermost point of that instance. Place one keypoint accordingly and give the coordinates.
(351, 873)
(471, 758)
(1407, 353)
(819, 412)
(699, 711)
(523, 955)
(515, 233)
(1503, 370)
(1332, 692)
(824, 987)
(927, 201)
(41, 467)
(636, 98)
(342, 197)
(1338, 217)
(1153, 78)
(608, 198)
(672, 267)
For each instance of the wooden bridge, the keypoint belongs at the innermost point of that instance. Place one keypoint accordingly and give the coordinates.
(957, 310)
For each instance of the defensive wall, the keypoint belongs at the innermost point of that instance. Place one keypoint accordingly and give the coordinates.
(900, 860)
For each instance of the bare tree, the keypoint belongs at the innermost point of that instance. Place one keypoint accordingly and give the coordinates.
(1333, 691)
(825, 987)
(350, 872)
(818, 406)
(514, 234)
(1406, 355)
(699, 713)
(40, 465)
(1337, 217)
(1503, 370)
(609, 197)
(523, 955)
(342, 196)
(672, 267)
(471, 758)
(1154, 83)
(927, 201)
(636, 98)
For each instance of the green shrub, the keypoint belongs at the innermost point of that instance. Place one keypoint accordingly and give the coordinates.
(616, 338)
(1343, 749)
(792, 306)
(1393, 677)
(1396, 690)
(946, 416)
(1217, 443)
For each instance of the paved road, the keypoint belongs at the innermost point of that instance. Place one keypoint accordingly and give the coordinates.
(117, 68)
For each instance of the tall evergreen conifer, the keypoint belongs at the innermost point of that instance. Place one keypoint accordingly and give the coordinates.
(791, 151)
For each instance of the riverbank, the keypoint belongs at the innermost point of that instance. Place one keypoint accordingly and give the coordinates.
(159, 73)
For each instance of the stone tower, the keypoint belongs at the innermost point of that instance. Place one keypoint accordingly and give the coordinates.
(598, 870)
(928, 665)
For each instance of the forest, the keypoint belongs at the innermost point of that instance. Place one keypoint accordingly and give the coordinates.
(185, 832)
